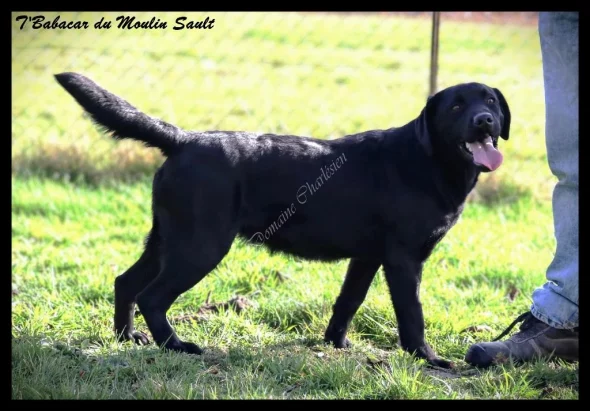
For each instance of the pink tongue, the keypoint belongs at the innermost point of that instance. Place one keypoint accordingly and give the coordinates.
(485, 154)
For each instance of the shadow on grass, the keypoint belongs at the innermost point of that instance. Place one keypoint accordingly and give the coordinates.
(43, 369)
(123, 162)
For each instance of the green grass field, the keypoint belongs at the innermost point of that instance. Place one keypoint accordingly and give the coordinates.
(81, 209)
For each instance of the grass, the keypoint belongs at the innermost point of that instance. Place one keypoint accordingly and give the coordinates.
(80, 207)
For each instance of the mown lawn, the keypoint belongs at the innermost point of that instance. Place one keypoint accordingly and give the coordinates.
(81, 208)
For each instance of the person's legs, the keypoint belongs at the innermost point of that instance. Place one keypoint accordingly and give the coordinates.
(556, 302)
(550, 328)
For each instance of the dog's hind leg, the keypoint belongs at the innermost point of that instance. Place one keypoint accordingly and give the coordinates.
(197, 227)
(197, 210)
(184, 264)
(358, 279)
(130, 283)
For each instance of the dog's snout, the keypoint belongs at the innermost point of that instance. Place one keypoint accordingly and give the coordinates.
(483, 120)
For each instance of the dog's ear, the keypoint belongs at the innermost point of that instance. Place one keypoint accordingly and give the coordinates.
(505, 133)
(422, 124)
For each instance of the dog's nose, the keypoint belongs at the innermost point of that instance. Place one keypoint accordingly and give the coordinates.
(483, 120)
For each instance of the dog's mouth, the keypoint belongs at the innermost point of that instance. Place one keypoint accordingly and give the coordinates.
(484, 153)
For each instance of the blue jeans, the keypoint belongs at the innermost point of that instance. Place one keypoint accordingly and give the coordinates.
(556, 302)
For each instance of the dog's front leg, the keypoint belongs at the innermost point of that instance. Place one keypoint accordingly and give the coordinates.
(403, 279)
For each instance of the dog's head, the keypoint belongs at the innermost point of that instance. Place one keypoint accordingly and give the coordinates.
(465, 122)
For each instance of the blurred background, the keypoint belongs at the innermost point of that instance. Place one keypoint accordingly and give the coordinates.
(318, 74)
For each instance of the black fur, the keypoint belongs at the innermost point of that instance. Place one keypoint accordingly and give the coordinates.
(381, 198)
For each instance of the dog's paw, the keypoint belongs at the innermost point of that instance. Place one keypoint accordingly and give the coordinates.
(340, 343)
(345, 343)
(137, 337)
(184, 347)
(439, 362)
(191, 348)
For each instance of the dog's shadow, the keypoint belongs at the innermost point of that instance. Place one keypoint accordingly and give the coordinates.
(131, 361)
(85, 353)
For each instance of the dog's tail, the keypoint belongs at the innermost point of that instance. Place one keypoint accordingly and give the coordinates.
(121, 119)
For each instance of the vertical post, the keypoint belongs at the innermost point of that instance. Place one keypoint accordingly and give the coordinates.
(434, 52)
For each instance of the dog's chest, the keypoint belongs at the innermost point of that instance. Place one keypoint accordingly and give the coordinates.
(430, 221)
(443, 224)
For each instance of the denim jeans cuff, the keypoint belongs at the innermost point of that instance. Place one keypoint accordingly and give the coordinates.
(570, 323)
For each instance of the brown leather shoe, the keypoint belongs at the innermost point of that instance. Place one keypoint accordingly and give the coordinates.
(535, 340)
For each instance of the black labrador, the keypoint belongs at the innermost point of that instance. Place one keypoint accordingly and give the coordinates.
(379, 198)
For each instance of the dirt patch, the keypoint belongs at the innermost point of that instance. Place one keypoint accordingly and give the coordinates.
(237, 304)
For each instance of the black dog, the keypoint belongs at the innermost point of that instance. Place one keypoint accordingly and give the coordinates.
(380, 198)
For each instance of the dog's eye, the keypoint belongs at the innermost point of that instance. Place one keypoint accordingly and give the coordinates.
(491, 101)
(456, 107)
